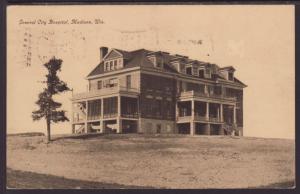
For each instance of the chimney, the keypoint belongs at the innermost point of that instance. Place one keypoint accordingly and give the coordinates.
(103, 52)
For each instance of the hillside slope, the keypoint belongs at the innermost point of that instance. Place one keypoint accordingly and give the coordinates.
(174, 161)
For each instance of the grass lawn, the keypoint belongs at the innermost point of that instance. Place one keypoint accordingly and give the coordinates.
(150, 161)
(31, 180)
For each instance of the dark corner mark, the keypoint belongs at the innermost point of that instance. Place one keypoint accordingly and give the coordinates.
(3, 96)
(297, 81)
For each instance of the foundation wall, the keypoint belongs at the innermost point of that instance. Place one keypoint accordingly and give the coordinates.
(150, 126)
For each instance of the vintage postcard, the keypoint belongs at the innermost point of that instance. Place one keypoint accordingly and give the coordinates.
(150, 96)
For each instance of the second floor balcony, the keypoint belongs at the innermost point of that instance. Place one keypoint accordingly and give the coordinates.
(104, 92)
(195, 94)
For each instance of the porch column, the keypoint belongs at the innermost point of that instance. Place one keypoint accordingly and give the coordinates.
(205, 89)
(138, 106)
(119, 121)
(119, 125)
(234, 114)
(193, 109)
(177, 110)
(101, 126)
(72, 119)
(221, 113)
(221, 131)
(176, 116)
(192, 128)
(102, 109)
(192, 124)
(86, 117)
(207, 129)
(207, 111)
(223, 91)
(119, 106)
(102, 116)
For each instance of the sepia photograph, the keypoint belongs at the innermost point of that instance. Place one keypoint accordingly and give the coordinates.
(150, 97)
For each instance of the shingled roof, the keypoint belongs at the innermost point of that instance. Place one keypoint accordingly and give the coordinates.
(134, 59)
(138, 58)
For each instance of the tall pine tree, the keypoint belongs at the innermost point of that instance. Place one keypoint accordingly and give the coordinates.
(48, 108)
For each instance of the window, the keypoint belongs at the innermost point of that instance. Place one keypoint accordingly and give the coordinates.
(207, 72)
(110, 83)
(105, 83)
(113, 82)
(115, 64)
(159, 64)
(201, 73)
(99, 85)
(153, 60)
(120, 62)
(110, 105)
(188, 70)
(218, 90)
(111, 65)
(158, 107)
(149, 127)
(94, 109)
(169, 129)
(149, 96)
(168, 108)
(106, 66)
(158, 128)
(211, 89)
(128, 81)
(230, 76)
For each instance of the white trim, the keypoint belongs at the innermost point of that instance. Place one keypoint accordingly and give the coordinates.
(104, 58)
(109, 73)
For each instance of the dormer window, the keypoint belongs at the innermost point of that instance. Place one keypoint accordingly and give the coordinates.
(159, 64)
(227, 73)
(156, 60)
(230, 76)
(106, 66)
(201, 73)
(120, 63)
(99, 85)
(207, 73)
(188, 70)
(113, 64)
(153, 60)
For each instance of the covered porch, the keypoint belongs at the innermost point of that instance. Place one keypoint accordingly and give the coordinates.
(105, 114)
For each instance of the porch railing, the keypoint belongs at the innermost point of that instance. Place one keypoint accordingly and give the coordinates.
(103, 91)
(207, 95)
(112, 115)
(133, 115)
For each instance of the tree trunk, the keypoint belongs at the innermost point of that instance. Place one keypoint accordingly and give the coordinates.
(48, 130)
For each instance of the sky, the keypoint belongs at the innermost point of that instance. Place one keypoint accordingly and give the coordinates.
(258, 40)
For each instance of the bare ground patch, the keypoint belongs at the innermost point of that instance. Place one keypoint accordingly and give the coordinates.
(174, 161)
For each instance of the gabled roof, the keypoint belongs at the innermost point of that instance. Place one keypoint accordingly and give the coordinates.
(133, 59)
(138, 58)
(125, 54)
(238, 81)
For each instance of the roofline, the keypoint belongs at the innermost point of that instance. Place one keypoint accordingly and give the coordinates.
(227, 67)
(230, 82)
(113, 49)
(112, 72)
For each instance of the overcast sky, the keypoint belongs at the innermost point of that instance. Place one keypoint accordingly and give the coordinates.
(257, 40)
